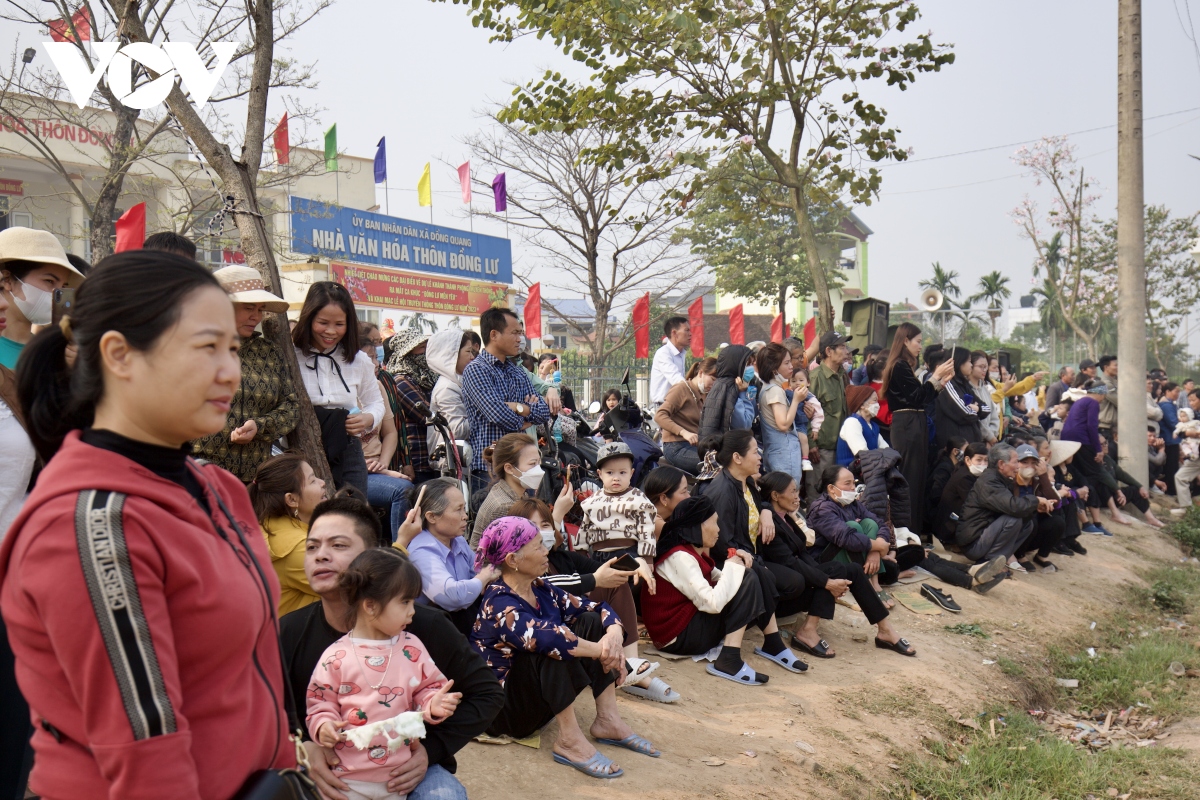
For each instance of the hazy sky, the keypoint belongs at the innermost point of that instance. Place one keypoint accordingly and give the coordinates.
(418, 72)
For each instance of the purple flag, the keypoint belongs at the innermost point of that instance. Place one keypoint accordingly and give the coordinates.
(500, 192)
(381, 161)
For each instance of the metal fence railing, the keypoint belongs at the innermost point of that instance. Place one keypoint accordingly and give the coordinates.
(589, 380)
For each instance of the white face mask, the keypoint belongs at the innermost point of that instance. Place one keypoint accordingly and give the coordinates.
(548, 537)
(994, 376)
(532, 477)
(1027, 472)
(845, 498)
(36, 305)
(977, 469)
(872, 409)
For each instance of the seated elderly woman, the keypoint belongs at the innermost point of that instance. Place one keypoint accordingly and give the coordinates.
(824, 583)
(546, 646)
(449, 580)
(696, 606)
(847, 531)
(576, 572)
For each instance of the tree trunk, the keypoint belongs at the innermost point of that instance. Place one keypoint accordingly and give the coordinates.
(815, 268)
(105, 208)
(783, 311)
(241, 201)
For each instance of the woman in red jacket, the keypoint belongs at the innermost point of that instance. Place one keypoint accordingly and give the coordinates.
(135, 586)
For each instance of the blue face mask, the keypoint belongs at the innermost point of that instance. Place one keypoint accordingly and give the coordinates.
(379, 353)
(748, 374)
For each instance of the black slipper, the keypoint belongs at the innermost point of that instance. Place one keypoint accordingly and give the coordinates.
(987, 586)
(901, 646)
(940, 598)
(1063, 550)
(820, 651)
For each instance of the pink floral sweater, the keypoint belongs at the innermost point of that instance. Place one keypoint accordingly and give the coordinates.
(341, 691)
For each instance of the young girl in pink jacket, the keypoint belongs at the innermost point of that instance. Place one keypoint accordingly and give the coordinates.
(375, 687)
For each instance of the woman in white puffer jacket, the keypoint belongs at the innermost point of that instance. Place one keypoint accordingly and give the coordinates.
(448, 353)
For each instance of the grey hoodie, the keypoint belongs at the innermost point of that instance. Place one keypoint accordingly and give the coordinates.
(441, 353)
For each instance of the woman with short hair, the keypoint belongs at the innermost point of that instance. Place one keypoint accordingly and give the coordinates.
(449, 577)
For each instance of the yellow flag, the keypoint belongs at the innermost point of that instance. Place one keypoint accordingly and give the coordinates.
(424, 189)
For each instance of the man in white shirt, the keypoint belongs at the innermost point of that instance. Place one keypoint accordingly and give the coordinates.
(670, 360)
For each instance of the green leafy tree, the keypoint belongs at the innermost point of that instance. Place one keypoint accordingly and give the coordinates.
(783, 77)
(993, 290)
(744, 232)
(943, 280)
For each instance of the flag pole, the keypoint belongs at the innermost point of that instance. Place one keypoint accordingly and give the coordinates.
(387, 201)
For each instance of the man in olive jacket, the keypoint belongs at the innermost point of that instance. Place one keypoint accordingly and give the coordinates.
(994, 519)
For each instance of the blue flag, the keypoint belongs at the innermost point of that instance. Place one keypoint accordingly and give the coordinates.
(381, 161)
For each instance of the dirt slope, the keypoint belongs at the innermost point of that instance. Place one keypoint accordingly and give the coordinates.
(852, 709)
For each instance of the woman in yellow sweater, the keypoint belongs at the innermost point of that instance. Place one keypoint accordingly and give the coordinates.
(284, 492)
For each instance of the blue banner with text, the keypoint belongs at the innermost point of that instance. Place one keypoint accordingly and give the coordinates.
(368, 238)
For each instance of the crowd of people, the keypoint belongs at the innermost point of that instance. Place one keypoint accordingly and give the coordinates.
(174, 566)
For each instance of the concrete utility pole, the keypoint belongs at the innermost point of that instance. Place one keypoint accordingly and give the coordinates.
(1131, 244)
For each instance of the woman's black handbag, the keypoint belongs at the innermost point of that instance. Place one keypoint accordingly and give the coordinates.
(279, 784)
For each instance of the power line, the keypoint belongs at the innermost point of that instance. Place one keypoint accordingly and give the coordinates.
(1027, 141)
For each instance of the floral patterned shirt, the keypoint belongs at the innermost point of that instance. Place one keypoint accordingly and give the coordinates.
(507, 623)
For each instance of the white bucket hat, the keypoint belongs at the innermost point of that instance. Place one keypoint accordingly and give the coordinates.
(29, 244)
(245, 285)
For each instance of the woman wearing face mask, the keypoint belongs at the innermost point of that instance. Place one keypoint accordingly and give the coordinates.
(860, 431)
(961, 407)
(781, 444)
(338, 378)
(449, 580)
(939, 476)
(516, 469)
(32, 265)
(448, 354)
(954, 495)
(679, 416)
(265, 405)
(577, 573)
(733, 364)
(414, 379)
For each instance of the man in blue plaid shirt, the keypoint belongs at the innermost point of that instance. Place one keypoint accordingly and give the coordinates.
(498, 393)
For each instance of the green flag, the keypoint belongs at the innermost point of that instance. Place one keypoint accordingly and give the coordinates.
(331, 164)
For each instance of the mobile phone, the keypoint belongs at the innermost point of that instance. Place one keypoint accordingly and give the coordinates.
(64, 304)
(626, 563)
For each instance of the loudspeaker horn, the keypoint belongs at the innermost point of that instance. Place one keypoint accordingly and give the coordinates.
(931, 300)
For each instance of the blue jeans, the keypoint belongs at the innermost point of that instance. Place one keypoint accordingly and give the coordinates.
(682, 455)
(354, 466)
(384, 491)
(438, 784)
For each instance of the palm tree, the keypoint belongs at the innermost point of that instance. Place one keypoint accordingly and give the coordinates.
(419, 321)
(993, 288)
(943, 280)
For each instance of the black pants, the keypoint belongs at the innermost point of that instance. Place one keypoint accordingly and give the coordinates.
(910, 438)
(1048, 531)
(789, 587)
(16, 754)
(1170, 466)
(1071, 531)
(539, 687)
(1085, 464)
(819, 602)
(951, 572)
(1135, 499)
(747, 607)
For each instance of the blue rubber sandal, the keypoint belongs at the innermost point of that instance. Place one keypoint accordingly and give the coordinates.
(635, 743)
(596, 766)
(784, 658)
(745, 676)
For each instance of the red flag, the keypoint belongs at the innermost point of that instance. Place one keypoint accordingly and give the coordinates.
(131, 229)
(641, 327)
(810, 332)
(533, 313)
(779, 331)
(60, 31)
(696, 323)
(737, 325)
(282, 147)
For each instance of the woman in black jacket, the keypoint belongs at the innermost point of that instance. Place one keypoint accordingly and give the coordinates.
(959, 411)
(939, 476)
(824, 583)
(954, 495)
(907, 399)
(721, 398)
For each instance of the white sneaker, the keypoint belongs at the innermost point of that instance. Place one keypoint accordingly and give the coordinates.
(806, 466)
(1178, 512)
